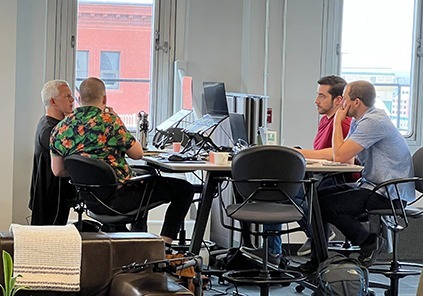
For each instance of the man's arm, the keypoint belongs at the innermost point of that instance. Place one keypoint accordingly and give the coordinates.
(343, 150)
(317, 154)
(58, 166)
(135, 152)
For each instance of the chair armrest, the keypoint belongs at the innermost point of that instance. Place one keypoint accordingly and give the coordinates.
(82, 185)
(139, 178)
(145, 169)
(397, 209)
(397, 181)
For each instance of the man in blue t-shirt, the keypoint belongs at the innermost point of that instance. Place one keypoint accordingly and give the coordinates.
(382, 150)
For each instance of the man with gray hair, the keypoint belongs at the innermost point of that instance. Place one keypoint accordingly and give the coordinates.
(50, 196)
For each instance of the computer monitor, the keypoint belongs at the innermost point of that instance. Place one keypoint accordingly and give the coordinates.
(238, 129)
(215, 98)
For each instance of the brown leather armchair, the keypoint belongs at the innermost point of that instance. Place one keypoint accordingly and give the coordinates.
(104, 255)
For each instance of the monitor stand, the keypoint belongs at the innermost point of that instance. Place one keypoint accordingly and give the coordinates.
(200, 143)
(163, 138)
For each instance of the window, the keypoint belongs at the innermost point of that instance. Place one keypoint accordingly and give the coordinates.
(379, 45)
(81, 66)
(120, 42)
(109, 69)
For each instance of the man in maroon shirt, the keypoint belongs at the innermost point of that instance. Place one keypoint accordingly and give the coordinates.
(328, 100)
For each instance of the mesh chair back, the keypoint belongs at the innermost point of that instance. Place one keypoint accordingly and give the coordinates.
(268, 162)
(418, 167)
(98, 175)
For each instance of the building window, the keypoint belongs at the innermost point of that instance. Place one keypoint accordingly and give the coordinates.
(81, 66)
(109, 68)
(378, 45)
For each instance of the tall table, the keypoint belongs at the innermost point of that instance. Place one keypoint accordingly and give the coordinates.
(214, 172)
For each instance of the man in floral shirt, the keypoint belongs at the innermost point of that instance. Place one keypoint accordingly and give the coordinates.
(96, 131)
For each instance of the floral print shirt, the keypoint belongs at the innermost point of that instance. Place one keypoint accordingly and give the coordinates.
(91, 132)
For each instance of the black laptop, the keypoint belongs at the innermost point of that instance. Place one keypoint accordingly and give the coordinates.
(216, 105)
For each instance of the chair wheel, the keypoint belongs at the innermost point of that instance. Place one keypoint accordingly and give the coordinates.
(299, 288)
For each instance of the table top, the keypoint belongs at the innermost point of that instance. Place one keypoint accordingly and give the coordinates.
(316, 166)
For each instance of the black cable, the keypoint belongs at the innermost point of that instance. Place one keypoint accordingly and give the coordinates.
(58, 201)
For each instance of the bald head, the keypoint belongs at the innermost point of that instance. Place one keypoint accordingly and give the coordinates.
(363, 90)
(92, 91)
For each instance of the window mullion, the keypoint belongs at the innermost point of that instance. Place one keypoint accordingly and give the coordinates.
(61, 24)
(162, 66)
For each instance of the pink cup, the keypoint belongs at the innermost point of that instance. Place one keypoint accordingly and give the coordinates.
(176, 146)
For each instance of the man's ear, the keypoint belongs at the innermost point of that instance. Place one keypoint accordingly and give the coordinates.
(338, 100)
(104, 99)
(52, 102)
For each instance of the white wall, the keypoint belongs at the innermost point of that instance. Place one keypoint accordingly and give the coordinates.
(8, 17)
(30, 73)
(301, 72)
(22, 60)
(213, 43)
(225, 41)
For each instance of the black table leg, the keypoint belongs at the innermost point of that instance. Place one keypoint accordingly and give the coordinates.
(320, 243)
(210, 185)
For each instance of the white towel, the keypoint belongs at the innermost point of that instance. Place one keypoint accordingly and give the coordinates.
(47, 257)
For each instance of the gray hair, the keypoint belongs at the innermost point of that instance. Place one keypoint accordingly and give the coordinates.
(51, 90)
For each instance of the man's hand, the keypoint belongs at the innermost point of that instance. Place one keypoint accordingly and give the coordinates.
(108, 109)
(341, 113)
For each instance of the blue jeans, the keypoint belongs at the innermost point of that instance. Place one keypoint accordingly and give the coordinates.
(275, 242)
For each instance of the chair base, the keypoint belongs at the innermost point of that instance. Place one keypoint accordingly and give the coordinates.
(88, 226)
(343, 247)
(394, 272)
(184, 246)
(263, 277)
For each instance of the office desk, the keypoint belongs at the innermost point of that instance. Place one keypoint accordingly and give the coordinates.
(214, 172)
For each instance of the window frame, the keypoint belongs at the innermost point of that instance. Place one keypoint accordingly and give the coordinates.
(331, 59)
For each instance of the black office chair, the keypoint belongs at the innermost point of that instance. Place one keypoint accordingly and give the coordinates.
(96, 184)
(267, 178)
(396, 219)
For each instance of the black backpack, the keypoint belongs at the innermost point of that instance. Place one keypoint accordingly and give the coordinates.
(343, 276)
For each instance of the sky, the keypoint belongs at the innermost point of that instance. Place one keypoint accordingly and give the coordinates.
(377, 33)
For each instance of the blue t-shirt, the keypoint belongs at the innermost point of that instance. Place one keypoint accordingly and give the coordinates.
(385, 155)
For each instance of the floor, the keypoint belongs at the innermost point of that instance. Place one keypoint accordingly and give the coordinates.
(408, 287)
(217, 286)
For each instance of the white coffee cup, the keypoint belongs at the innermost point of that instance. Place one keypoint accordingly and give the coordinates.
(220, 158)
